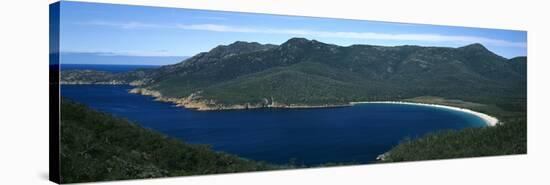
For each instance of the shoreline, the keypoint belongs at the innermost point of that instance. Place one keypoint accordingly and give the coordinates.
(489, 120)
(193, 102)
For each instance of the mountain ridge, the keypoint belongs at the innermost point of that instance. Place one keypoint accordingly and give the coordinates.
(301, 73)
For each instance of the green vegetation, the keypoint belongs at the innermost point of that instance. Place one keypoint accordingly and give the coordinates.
(97, 147)
(510, 137)
(505, 139)
(302, 71)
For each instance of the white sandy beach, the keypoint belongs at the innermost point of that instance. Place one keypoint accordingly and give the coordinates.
(489, 120)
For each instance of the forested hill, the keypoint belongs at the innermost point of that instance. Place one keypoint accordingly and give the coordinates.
(302, 72)
(96, 146)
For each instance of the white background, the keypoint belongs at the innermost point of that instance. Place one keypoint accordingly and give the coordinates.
(24, 91)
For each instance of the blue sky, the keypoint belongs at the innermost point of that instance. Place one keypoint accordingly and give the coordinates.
(160, 32)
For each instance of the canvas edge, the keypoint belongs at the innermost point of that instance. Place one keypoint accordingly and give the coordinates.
(54, 122)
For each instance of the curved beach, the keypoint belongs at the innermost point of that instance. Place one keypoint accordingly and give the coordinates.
(489, 120)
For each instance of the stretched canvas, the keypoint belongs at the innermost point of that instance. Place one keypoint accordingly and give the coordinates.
(146, 92)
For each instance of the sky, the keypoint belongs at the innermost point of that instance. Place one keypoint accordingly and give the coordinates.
(140, 31)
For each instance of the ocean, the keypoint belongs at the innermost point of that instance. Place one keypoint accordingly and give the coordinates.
(355, 134)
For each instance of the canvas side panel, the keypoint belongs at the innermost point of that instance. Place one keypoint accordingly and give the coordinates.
(54, 16)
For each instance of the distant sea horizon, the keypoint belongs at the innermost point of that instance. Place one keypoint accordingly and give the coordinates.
(115, 68)
(113, 58)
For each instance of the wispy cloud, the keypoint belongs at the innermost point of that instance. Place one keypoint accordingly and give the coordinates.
(424, 37)
(125, 25)
(211, 18)
(138, 53)
(160, 53)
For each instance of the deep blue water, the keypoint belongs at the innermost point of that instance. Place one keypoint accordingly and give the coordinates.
(106, 67)
(307, 136)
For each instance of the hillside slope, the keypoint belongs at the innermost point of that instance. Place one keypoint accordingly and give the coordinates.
(504, 139)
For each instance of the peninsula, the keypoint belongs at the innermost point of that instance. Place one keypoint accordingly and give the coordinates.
(302, 73)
